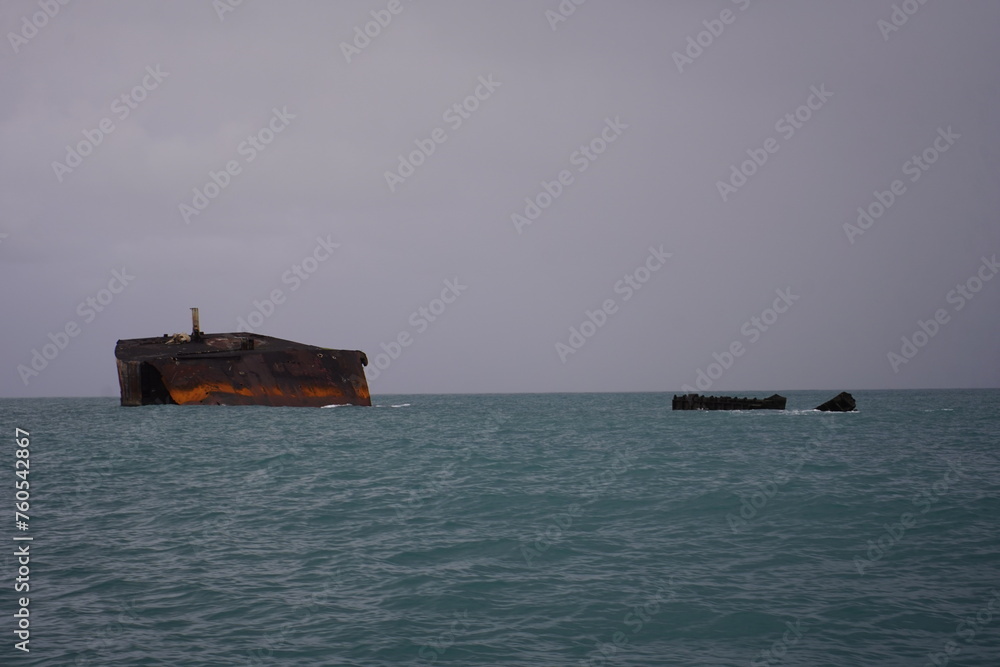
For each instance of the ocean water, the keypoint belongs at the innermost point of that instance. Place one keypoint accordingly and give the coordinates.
(546, 529)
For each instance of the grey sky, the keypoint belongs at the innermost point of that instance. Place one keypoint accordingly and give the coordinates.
(885, 96)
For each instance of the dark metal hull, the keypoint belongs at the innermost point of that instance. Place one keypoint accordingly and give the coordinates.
(238, 369)
(699, 402)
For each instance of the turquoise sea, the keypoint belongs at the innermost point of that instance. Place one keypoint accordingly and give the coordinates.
(527, 529)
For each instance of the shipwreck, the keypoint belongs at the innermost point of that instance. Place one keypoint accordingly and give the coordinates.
(699, 402)
(842, 402)
(237, 369)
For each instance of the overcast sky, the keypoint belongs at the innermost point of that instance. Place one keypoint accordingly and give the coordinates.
(115, 116)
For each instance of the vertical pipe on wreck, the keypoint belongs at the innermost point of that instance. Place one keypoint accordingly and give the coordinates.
(195, 324)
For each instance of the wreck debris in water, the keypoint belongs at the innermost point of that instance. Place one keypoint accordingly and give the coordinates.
(842, 402)
(699, 402)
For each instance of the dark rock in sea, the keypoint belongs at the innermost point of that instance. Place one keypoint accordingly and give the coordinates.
(842, 402)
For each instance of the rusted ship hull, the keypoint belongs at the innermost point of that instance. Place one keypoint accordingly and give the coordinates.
(238, 369)
(699, 402)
